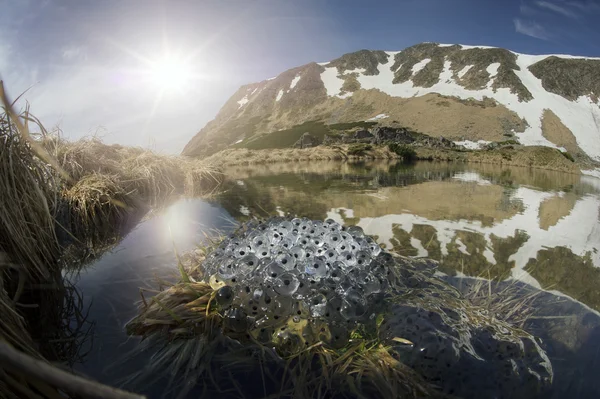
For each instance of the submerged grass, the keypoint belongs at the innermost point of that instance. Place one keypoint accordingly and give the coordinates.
(179, 318)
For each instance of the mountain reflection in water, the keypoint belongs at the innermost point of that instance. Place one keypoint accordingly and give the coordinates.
(480, 221)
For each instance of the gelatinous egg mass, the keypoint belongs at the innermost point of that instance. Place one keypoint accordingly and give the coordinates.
(297, 269)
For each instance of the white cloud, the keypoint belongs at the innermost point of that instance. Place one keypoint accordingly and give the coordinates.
(531, 28)
(557, 9)
(585, 6)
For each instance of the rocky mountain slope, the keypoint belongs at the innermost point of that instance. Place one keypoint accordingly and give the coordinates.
(463, 93)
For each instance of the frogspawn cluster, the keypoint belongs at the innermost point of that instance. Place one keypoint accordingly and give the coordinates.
(298, 269)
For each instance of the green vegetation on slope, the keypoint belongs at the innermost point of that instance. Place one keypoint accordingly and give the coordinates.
(287, 137)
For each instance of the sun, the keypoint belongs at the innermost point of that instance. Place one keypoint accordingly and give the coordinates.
(170, 73)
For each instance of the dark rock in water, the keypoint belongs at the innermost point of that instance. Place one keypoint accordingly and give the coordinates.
(299, 282)
(307, 141)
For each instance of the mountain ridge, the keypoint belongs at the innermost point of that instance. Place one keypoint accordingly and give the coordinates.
(465, 93)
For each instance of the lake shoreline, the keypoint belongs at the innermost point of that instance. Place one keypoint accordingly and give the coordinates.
(534, 156)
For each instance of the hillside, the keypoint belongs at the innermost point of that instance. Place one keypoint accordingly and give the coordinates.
(463, 93)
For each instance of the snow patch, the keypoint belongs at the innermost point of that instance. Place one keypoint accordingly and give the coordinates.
(420, 65)
(473, 145)
(471, 177)
(582, 116)
(418, 245)
(378, 117)
(279, 95)
(243, 101)
(333, 84)
(492, 69)
(592, 172)
(294, 82)
(579, 230)
(464, 71)
(461, 246)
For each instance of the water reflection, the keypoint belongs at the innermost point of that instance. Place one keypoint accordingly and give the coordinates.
(113, 285)
(536, 226)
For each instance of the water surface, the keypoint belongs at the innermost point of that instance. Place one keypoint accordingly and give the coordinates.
(515, 224)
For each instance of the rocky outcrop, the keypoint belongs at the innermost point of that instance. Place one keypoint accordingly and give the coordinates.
(453, 92)
(307, 141)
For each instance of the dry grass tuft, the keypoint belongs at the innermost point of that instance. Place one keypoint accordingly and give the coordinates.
(183, 326)
(54, 194)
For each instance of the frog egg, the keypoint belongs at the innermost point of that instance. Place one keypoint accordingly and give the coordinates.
(303, 240)
(374, 248)
(315, 268)
(336, 271)
(287, 242)
(342, 246)
(304, 290)
(275, 237)
(287, 261)
(355, 232)
(339, 336)
(241, 251)
(304, 227)
(224, 296)
(330, 222)
(330, 254)
(286, 284)
(236, 320)
(297, 252)
(354, 305)
(363, 259)
(274, 270)
(370, 284)
(288, 342)
(226, 269)
(333, 239)
(262, 252)
(310, 251)
(259, 241)
(281, 306)
(247, 264)
(317, 241)
(257, 294)
(317, 305)
(347, 258)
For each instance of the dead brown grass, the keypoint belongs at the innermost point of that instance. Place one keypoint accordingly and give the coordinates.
(242, 156)
(85, 190)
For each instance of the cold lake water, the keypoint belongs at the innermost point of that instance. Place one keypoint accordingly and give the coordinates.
(528, 226)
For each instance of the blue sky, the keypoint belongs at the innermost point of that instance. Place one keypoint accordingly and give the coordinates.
(86, 60)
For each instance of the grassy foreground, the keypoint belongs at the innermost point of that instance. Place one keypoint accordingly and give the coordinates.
(57, 195)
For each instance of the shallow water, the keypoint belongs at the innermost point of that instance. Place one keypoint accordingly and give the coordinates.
(541, 228)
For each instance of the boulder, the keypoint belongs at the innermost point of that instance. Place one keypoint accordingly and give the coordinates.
(362, 135)
(307, 141)
(390, 134)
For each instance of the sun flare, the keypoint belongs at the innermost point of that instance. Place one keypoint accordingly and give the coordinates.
(170, 73)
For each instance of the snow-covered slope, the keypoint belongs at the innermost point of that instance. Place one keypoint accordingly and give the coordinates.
(486, 93)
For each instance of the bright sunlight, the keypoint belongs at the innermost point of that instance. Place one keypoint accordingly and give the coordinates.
(170, 73)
